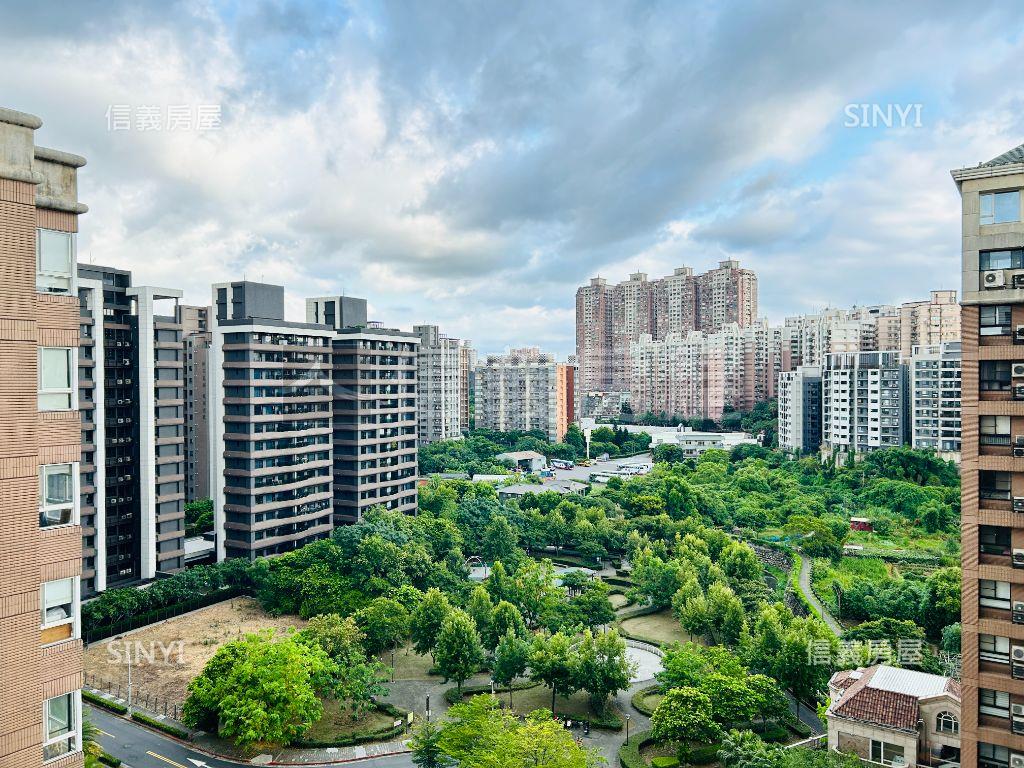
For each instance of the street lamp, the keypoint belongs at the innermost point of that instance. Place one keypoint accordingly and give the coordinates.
(627, 728)
(428, 708)
(492, 686)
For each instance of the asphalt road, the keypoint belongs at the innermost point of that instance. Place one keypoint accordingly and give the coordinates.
(583, 473)
(139, 747)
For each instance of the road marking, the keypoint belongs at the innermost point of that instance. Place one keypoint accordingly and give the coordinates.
(106, 734)
(165, 759)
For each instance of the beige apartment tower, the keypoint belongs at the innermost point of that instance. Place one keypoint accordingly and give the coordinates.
(992, 461)
(40, 447)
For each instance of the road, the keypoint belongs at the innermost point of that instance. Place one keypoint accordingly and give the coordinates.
(139, 747)
(805, 587)
(582, 474)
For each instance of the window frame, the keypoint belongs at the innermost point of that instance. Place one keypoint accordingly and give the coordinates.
(992, 198)
(883, 746)
(990, 650)
(71, 391)
(74, 620)
(42, 274)
(989, 703)
(999, 371)
(987, 324)
(75, 504)
(993, 600)
(74, 734)
(948, 723)
(989, 430)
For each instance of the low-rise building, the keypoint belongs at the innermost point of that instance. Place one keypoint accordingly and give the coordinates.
(526, 461)
(895, 717)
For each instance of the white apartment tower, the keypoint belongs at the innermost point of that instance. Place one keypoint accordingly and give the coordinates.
(799, 393)
(440, 377)
(935, 399)
(863, 402)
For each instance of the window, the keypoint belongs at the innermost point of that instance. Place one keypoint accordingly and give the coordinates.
(59, 608)
(1010, 259)
(994, 540)
(56, 389)
(61, 729)
(992, 756)
(1000, 207)
(947, 722)
(57, 495)
(995, 703)
(994, 320)
(994, 376)
(993, 484)
(994, 648)
(994, 430)
(55, 261)
(994, 594)
(887, 754)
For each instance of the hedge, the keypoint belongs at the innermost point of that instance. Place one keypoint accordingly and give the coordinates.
(704, 755)
(161, 726)
(664, 762)
(453, 695)
(100, 701)
(637, 700)
(615, 581)
(800, 728)
(110, 760)
(361, 737)
(629, 754)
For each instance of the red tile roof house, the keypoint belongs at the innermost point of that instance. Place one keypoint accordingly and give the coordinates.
(896, 717)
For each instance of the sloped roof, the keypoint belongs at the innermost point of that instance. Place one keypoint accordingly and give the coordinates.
(887, 696)
(1015, 155)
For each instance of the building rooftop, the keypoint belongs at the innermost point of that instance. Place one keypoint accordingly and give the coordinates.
(1015, 155)
(887, 696)
(520, 455)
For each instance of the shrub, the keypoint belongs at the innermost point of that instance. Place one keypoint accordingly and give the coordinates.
(638, 699)
(704, 755)
(100, 701)
(170, 730)
(361, 737)
(110, 760)
(801, 729)
(664, 762)
(629, 754)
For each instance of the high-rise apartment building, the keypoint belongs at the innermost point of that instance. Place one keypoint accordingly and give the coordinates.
(924, 323)
(523, 390)
(440, 385)
(374, 373)
(992, 461)
(132, 399)
(271, 462)
(609, 319)
(40, 452)
(195, 339)
(799, 393)
(467, 364)
(863, 402)
(935, 398)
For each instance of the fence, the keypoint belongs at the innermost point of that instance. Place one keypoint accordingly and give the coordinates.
(814, 742)
(91, 634)
(141, 698)
(642, 646)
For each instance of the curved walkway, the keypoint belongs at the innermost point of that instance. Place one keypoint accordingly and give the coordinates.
(805, 587)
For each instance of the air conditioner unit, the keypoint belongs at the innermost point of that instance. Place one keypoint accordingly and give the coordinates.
(1017, 710)
(1018, 503)
(1018, 280)
(993, 278)
(1017, 370)
(1017, 653)
(1018, 558)
(1016, 761)
(1017, 615)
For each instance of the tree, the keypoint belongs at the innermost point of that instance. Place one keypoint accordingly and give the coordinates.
(603, 668)
(480, 610)
(500, 541)
(687, 664)
(256, 690)
(426, 748)
(356, 679)
(511, 658)
(384, 622)
(768, 699)
(743, 749)
(459, 653)
(427, 620)
(553, 661)
(504, 619)
(941, 604)
(731, 698)
(684, 716)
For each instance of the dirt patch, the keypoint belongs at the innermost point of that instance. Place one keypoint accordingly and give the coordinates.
(166, 656)
(658, 628)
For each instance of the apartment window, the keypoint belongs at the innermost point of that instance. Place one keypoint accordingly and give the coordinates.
(1008, 259)
(994, 430)
(994, 376)
(56, 388)
(57, 495)
(992, 756)
(887, 754)
(993, 484)
(947, 722)
(59, 609)
(995, 703)
(994, 594)
(55, 261)
(62, 725)
(994, 540)
(994, 648)
(994, 320)
(1000, 207)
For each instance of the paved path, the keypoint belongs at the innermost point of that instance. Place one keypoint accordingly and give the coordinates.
(805, 587)
(139, 747)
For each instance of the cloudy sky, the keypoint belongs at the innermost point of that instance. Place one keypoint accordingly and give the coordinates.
(470, 164)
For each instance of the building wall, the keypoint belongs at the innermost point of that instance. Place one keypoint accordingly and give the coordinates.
(935, 398)
(196, 337)
(863, 402)
(440, 382)
(38, 190)
(519, 391)
(799, 394)
(983, 464)
(467, 364)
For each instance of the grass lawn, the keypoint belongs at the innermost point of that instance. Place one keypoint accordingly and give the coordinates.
(409, 665)
(849, 571)
(652, 700)
(337, 721)
(576, 707)
(658, 628)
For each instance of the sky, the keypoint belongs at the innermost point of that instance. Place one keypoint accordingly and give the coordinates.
(470, 164)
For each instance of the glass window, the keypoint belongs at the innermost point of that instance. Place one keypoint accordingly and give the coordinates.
(994, 648)
(947, 722)
(59, 609)
(992, 756)
(993, 484)
(1001, 259)
(887, 754)
(994, 320)
(994, 540)
(994, 430)
(56, 495)
(55, 384)
(55, 261)
(994, 594)
(995, 703)
(994, 376)
(1000, 207)
(61, 726)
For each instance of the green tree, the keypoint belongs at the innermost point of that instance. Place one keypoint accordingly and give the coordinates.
(511, 658)
(504, 619)
(603, 668)
(459, 653)
(426, 748)
(685, 716)
(480, 610)
(554, 661)
(769, 702)
(744, 749)
(500, 541)
(384, 622)
(427, 620)
(356, 679)
(732, 701)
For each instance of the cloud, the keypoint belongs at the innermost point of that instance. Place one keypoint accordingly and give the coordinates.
(471, 164)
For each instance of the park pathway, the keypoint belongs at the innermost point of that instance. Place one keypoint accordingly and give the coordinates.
(805, 587)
